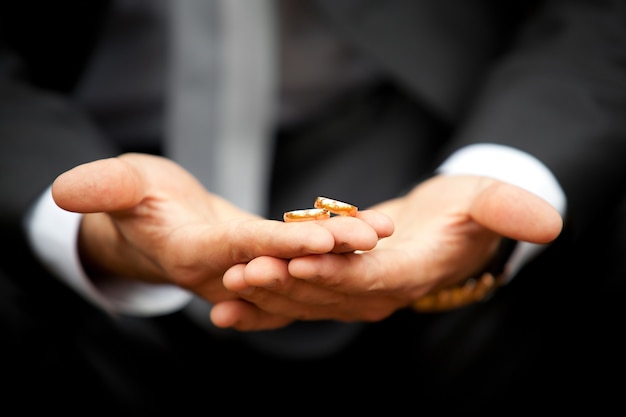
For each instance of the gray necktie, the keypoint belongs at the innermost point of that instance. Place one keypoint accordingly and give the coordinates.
(223, 85)
(223, 95)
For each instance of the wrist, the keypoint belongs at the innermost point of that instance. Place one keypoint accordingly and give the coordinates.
(477, 288)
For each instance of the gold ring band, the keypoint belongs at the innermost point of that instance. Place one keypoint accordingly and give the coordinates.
(306, 215)
(335, 206)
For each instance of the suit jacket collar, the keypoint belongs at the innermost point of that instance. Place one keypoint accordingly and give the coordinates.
(438, 49)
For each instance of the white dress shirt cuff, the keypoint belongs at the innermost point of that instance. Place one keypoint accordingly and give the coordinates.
(53, 234)
(515, 167)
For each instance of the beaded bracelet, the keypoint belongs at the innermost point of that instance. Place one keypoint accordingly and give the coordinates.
(472, 290)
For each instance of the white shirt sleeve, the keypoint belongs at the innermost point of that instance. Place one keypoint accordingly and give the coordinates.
(515, 167)
(53, 234)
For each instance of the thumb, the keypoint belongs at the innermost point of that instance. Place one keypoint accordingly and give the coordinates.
(99, 186)
(516, 213)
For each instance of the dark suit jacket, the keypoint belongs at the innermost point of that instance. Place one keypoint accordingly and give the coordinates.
(545, 77)
(472, 64)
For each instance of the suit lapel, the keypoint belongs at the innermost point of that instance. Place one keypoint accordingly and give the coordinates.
(437, 49)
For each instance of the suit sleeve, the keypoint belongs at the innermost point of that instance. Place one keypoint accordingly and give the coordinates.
(41, 135)
(560, 94)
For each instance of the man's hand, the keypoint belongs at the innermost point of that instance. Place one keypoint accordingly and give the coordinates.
(148, 219)
(446, 230)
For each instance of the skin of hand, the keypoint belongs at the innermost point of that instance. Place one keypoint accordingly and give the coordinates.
(146, 218)
(446, 229)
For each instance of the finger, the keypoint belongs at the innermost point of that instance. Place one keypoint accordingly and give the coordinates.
(351, 233)
(252, 238)
(516, 213)
(103, 185)
(233, 279)
(264, 271)
(244, 316)
(380, 222)
(195, 251)
(265, 281)
(348, 273)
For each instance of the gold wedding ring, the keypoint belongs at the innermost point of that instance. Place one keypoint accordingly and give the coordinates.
(335, 206)
(324, 207)
(306, 215)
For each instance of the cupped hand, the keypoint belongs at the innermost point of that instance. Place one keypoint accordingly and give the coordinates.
(146, 218)
(446, 229)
